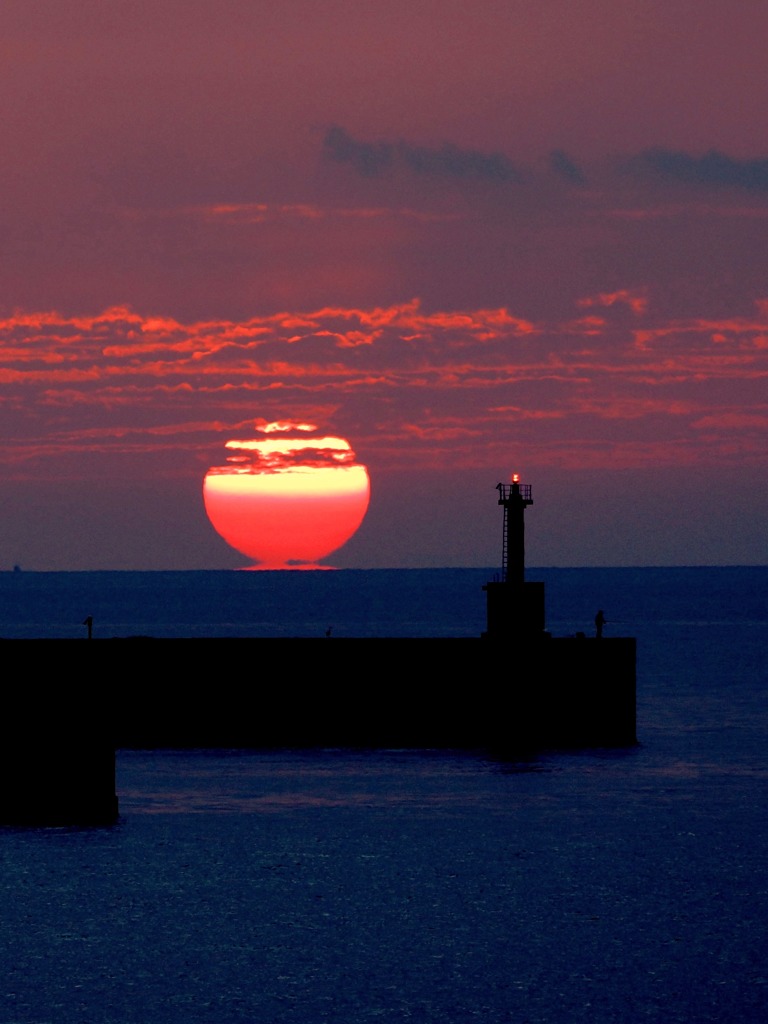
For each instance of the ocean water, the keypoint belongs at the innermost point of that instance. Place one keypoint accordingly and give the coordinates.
(599, 885)
(359, 602)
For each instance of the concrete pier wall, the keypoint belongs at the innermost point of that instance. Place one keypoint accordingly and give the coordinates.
(460, 693)
(57, 755)
(57, 760)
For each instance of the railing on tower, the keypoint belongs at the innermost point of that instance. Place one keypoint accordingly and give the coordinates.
(506, 491)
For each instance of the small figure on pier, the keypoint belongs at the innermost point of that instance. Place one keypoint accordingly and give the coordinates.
(600, 621)
(89, 623)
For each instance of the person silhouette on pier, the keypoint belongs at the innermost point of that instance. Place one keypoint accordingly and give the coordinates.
(89, 623)
(600, 621)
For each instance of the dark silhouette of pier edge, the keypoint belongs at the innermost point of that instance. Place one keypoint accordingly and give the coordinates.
(562, 692)
(513, 691)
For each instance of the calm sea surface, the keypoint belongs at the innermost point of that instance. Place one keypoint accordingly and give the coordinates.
(412, 886)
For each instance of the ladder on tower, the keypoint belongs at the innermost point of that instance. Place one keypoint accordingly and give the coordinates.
(504, 542)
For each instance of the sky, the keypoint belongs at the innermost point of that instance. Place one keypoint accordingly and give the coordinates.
(511, 236)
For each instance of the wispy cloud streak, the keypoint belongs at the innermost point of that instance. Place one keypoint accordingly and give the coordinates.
(447, 386)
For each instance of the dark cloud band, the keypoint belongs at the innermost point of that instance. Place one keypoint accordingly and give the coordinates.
(711, 169)
(371, 159)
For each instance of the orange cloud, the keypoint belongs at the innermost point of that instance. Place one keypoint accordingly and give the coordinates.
(637, 302)
(435, 378)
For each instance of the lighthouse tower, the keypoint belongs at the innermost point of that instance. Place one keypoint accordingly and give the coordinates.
(515, 608)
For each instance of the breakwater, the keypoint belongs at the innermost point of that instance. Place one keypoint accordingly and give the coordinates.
(95, 696)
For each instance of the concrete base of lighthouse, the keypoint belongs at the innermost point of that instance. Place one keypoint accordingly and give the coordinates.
(514, 610)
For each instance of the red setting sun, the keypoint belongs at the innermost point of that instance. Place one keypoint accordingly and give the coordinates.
(288, 499)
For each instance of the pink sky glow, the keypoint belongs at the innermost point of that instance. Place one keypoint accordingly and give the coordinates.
(470, 239)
